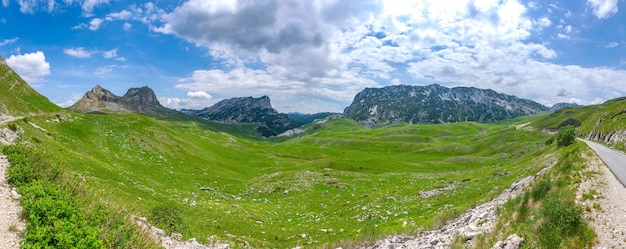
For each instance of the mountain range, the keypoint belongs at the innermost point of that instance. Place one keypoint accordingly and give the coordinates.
(374, 107)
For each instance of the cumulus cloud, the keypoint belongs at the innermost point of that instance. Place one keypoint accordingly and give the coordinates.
(194, 100)
(78, 52)
(199, 95)
(32, 67)
(603, 8)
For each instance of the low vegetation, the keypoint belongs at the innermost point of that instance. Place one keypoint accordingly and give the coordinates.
(547, 215)
(365, 183)
(61, 212)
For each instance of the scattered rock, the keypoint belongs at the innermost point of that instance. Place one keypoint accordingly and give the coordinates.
(435, 192)
(512, 242)
(174, 240)
(470, 224)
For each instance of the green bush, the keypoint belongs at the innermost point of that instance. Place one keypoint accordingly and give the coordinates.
(168, 217)
(550, 140)
(565, 136)
(62, 213)
(12, 126)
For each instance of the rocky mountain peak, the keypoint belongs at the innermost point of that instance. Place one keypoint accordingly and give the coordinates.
(138, 100)
(247, 110)
(141, 96)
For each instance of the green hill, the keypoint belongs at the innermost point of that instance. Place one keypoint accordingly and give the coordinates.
(17, 98)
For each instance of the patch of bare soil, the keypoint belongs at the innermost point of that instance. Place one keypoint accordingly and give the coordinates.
(10, 210)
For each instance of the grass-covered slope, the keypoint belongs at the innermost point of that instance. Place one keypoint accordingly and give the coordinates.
(339, 185)
(17, 98)
(605, 122)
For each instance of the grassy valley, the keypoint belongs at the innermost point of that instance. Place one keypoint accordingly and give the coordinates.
(339, 181)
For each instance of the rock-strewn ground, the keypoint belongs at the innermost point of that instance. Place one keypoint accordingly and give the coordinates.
(603, 198)
(473, 222)
(10, 210)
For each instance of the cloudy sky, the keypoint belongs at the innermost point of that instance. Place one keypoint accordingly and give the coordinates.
(313, 56)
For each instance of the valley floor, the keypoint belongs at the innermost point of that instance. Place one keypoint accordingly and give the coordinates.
(602, 197)
(10, 222)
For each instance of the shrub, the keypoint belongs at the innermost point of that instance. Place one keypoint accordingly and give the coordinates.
(167, 217)
(565, 136)
(12, 126)
(550, 140)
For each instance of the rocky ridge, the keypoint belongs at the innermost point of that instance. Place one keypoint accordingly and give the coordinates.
(136, 100)
(247, 110)
(375, 107)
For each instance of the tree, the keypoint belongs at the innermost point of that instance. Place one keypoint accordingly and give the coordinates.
(566, 136)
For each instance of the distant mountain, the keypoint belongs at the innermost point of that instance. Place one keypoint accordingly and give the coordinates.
(17, 98)
(136, 100)
(248, 110)
(435, 104)
(559, 106)
(303, 118)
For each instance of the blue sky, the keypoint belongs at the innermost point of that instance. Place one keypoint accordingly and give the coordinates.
(313, 56)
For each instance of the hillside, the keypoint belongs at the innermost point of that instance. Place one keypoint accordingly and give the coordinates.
(604, 122)
(436, 104)
(248, 110)
(236, 189)
(607, 124)
(136, 100)
(17, 98)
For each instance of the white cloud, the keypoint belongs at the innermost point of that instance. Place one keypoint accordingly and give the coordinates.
(199, 95)
(89, 5)
(32, 67)
(105, 69)
(78, 52)
(5, 3)
(30, 6)
(603, 8)
(95, 23)
(8, 41)
(611, 45)
(127, 26)
(122, 15)
(110, 53)
(194, 100)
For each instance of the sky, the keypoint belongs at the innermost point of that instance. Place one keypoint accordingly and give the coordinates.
(315, 55)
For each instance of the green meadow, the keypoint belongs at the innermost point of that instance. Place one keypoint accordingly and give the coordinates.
(337, 185)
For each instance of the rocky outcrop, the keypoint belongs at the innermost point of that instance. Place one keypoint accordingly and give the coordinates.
(374, 107)
(248, 110)
(136, 100)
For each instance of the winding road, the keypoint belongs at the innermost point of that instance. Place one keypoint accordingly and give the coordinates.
(614, 159)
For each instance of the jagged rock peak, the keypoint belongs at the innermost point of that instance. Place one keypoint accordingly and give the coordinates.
(99, 93)
(138, 100)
